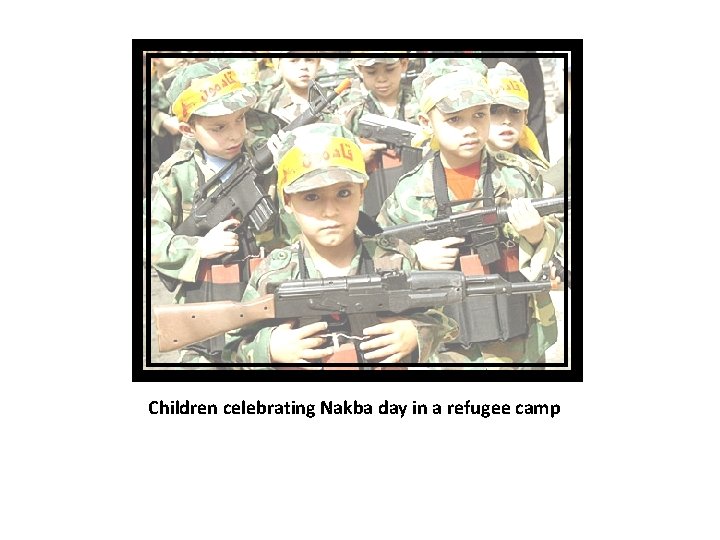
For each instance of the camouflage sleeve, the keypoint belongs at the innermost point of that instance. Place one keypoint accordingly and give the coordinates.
(412, 200)
(174, 255)
(532, 258)
(266, 97)
(352, 118)
(391, 212)
(432, 326)
(405, 205)
(341, 112)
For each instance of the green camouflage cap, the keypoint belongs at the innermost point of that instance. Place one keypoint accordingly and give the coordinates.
(508, 86)
(366, 62)
(206, 89)
(452, 84)
(319, 155)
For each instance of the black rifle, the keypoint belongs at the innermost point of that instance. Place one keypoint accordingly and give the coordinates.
(331, 80)
(396, 134)
(478, 227)
(361, 298)
(240, 194)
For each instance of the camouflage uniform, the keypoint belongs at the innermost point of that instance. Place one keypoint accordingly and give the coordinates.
(357, 103)
(387, 166)
(512, 177)
(175, 183)
(252, 344)
(309, 162)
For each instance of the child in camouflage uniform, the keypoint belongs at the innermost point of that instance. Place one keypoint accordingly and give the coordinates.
(290, 99)
(212, 107)
(455, 110)
(321, 180)
(386, 96)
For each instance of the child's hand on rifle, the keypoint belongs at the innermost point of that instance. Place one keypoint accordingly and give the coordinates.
(436, 254)
(369, 149)
(218, 241)
(274, 144)
(297, 345)
(397, 338)
(526, 220)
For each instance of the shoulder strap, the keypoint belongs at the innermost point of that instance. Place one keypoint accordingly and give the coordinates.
(372, 106)
(441, 188)
(488, 197)
(367, 266)
(367, 225)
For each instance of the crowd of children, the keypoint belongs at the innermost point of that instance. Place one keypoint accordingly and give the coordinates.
(473, 149)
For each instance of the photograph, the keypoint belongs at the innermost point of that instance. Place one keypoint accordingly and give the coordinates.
(324, 215)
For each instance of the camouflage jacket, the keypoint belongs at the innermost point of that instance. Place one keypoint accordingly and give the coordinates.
(537, 161)
(174, 186)
(355, 105)
(279, 102)
(252, 344)
(414, 200)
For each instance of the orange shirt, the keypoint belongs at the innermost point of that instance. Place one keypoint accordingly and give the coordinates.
(462, 181)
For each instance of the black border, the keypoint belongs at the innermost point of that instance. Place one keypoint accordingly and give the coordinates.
(440, 48)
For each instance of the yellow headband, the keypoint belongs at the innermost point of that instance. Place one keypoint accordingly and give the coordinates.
(515, 88)
(338, 152)
(202, 91)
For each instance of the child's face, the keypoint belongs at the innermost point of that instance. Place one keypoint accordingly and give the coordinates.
(506, 126)
(221, 136)
(461, 135)
(298, 72)
(327, 216)
(383, 80)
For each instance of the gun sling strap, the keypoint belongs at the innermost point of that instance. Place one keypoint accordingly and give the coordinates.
(485, 241)
(482, 318)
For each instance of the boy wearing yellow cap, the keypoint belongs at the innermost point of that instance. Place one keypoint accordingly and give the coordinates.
(321, 179)
(455, 103)
(509, 131)
(212, 107)
(512, 102)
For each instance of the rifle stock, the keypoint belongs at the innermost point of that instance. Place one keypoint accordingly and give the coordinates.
(179, 325)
